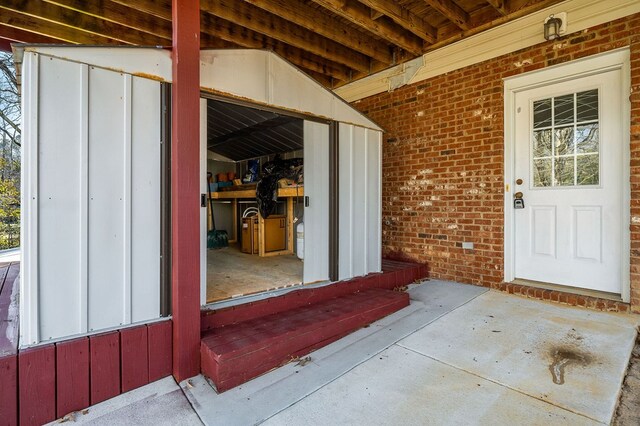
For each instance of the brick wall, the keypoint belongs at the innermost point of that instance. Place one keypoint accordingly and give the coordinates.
(443, 162)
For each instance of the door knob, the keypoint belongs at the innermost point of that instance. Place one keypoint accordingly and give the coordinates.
(518, 195)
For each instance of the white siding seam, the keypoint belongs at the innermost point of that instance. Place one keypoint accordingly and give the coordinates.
(127, 293)
(84, 200)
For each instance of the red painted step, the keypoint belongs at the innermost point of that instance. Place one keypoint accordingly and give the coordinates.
(236, 353)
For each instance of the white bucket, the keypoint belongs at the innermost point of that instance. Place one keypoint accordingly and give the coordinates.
(300, 240)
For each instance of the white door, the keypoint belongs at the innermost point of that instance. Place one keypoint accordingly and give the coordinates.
(569, 170)
(316, 210)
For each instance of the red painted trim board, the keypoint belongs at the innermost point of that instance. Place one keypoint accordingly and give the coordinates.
(72, 372)
(9, 390)
(185, 188)
(37, 385)
(134, 358)
(105, 366)
(160, 353)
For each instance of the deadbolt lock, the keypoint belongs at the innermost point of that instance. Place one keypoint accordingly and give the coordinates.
(518, 181)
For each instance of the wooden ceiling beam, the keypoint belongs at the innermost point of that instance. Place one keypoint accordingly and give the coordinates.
(322, 24)
(500, 6)
(404, 18)
(45, 28)
(375, 14)
(213, 28)
(250, 17)
(359, 14)
(120, 14)
(21, 36)
(225, 30)
(452, 12)
(78, 23)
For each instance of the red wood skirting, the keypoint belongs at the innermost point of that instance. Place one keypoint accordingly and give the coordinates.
(41, 384)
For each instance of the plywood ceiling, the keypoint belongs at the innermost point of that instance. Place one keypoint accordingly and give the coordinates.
(335, 41)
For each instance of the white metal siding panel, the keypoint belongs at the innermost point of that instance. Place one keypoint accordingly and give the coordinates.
(91, 188)
(239, 72)
(359, 171)
(359, 200)
(145, 200)
(345, 200)
(316, 216)
(374, 196)
(107, 97)
(59, 208)
(291, 87)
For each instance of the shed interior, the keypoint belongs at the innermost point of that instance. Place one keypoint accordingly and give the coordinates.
(261, 255)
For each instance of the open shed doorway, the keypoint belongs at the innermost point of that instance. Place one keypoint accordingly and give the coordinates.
(250, 153)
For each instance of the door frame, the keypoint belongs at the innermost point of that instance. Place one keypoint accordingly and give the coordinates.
(609, 61)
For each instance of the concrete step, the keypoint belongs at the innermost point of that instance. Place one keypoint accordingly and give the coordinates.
(236, 353)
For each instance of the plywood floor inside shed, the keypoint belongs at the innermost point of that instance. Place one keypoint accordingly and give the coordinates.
(231, 273)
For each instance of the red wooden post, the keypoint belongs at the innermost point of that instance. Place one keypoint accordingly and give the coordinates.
(185, 188)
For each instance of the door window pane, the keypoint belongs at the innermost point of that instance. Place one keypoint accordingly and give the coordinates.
(542, 143)
(542, 172)
(563, 109)
(588, 169)
(542, 113)
(563, 168)
(587, 105)
(588, 138)
(563, 141)
(566, 140)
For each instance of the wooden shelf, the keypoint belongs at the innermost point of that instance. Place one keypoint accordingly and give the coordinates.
(251, 193)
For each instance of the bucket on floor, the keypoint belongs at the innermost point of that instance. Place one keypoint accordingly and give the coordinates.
(300, 240)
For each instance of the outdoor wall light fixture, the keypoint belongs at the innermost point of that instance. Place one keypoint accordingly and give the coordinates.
(552, 27)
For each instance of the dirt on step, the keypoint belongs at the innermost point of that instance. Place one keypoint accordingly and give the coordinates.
(628, 411)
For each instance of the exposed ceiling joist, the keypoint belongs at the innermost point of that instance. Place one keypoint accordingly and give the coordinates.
(273, 26)
(334, 41)
(320, 23)
(404, 18)
(225, 30)
(73, 22)
(360, 15)
(451, 11)
(43, 27)
(500, 6)
(120, 14)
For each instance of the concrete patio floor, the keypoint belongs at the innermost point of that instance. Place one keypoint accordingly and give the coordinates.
(458, 355)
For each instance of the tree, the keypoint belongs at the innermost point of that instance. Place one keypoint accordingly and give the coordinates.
(10, 134)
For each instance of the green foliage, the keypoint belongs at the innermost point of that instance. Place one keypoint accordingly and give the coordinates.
(10, 118)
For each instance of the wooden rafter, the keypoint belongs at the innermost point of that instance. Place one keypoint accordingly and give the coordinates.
(21, 36)
(120, 14)
(42, 27)
(278, 28)
(213, 28)
(500, 6)
(320, 23)
(71, 22)
(451, 11)
(404, 18)
(225, 30)
(360, 15)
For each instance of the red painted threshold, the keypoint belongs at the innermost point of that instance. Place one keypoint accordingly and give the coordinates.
(234, 354)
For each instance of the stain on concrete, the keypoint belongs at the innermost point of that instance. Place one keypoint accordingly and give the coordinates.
(563, 357)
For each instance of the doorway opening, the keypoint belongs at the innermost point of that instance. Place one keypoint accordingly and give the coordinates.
(254, 200)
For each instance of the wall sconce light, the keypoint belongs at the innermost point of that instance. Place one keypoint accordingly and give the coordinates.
(552, 28)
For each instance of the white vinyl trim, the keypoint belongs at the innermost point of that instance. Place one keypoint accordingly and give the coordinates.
(616, 59)
(29, 217)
